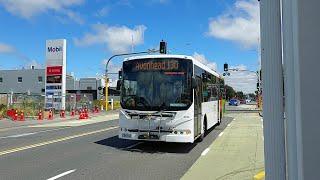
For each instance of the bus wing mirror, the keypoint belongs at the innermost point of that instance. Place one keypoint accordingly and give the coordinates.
(118, 85)
(194, 83)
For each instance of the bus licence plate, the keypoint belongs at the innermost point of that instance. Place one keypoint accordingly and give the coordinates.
(126, 135)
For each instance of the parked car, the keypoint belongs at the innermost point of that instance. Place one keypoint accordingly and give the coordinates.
(234, 102)
(248, 100)
(243, 101)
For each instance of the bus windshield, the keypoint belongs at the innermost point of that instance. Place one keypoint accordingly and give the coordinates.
(157, 84)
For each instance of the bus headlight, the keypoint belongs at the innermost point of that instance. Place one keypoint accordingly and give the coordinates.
(181, 132)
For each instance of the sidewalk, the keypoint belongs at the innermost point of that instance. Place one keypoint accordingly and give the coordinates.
(8, 123)
(236, 154)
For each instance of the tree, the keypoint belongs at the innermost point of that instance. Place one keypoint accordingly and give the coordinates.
(240, 95)
(252, 96)
(230, 92)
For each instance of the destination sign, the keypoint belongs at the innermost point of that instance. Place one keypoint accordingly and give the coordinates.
(164, 65)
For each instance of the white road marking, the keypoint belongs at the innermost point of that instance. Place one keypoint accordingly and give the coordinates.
(9, 151)
(262, 119)
(133, 145)
(18, 135)
(220, 134)
(205, 152)
(62, 174)
(28, 134)
(49, 130)
(228, 125)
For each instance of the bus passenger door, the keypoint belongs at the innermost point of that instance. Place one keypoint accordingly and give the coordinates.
(197, 107)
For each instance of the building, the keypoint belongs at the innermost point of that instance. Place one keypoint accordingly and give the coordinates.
(32, 82)
(22, 81)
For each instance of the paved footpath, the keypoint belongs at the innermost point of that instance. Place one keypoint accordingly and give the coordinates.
(6, 124)
(236, 154)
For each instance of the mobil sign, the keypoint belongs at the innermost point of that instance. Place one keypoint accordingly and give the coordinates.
(55, 49)
(55, 88)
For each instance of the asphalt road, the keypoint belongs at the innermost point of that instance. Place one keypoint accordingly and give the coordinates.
(93, 152)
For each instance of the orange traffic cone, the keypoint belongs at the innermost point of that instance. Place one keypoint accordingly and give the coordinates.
(21, 116)
(81, 114)
(40, 115)
(50, 115)
(15, 116)
(72, 113)
(62, 114)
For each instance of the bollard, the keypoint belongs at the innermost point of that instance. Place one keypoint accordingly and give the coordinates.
(21, 118)
(40, 115)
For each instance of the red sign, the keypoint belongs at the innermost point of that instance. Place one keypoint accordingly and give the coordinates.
(54, 70)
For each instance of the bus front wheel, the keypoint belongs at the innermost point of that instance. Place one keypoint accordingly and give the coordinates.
(204, 129)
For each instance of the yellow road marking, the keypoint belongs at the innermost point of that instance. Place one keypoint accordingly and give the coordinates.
(259, 176)
(9, 151)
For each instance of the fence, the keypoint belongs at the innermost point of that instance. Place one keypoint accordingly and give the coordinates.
(32, 103)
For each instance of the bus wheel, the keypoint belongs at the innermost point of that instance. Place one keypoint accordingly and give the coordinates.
(204, 129)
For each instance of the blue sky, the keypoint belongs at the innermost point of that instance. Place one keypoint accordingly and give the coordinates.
(213, 31)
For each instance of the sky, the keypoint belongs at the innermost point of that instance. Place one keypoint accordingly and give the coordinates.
(212, 31)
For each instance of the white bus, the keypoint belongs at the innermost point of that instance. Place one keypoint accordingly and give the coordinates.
(172, 98)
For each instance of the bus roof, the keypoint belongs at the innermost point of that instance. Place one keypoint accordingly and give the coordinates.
(196, 62)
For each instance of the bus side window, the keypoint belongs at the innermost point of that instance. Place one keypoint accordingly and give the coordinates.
(214, 94)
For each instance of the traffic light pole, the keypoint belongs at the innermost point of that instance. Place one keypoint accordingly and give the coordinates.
(118, 55)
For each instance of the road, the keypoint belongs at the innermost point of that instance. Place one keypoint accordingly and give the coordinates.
(93, 151)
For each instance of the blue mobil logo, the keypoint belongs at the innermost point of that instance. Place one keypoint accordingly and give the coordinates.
(55, 49)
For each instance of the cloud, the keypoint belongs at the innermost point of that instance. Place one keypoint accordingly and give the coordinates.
(241, 24)
(35, 64)
(160, 1)
(242, 80)
(102, 12)
(12, 51)
(5, 48)
(27, 9)
(112, 68)
(203, 60)
(118, 38)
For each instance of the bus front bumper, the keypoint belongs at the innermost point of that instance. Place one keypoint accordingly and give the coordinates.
(154, 136)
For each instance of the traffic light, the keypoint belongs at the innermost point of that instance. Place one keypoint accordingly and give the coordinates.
(225, 67)
(120, 74)
(163, 47)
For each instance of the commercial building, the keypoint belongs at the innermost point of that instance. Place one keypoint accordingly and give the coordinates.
(32, 82)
